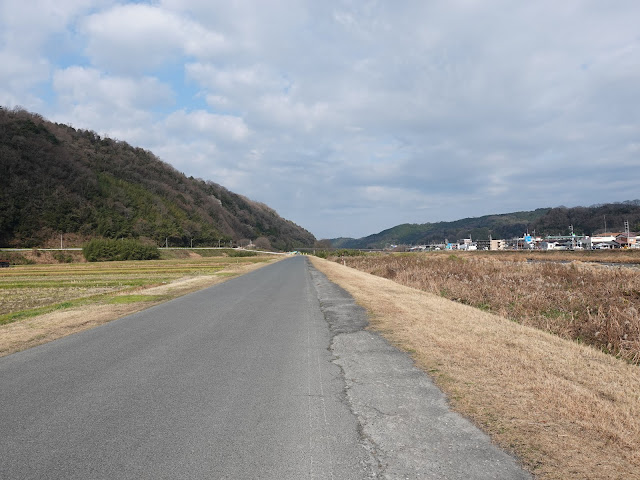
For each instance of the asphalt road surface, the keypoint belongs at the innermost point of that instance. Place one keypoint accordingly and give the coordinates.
(268, 376)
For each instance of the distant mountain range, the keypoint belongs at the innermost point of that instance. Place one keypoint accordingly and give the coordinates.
(542, 221)
(57, 180)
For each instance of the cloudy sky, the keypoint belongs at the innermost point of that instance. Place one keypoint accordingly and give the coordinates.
(349, 116)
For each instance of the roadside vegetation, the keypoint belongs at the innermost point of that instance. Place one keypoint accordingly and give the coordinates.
(566, 410)
(598, 305)
(338, 253)
(109, 249)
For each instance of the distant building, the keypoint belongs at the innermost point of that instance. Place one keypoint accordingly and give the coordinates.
(626, 240)
(467, 244)
(603, 240)
(491, 244)
(497, 244)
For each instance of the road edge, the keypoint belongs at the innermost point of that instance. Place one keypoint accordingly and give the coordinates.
(405, 420)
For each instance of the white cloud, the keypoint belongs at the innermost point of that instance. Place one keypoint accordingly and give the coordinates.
(27, 25)
(26, 30)
(345, 116)
(255, 77)
(87, 85)
(141, 37)
(218, 102)
(19, 74)
(198, 124)
(285, 112)
(114, 105)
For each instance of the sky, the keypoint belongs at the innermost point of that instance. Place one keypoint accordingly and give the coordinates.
(349, 116)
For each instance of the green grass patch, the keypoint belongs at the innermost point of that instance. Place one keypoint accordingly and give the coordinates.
(33, 312)
(554, 313)
(484, 306)
(129, 282)
(121, 299)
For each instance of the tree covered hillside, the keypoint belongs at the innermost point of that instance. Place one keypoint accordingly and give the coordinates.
(55, 179)
(544, 221)
(499, 226)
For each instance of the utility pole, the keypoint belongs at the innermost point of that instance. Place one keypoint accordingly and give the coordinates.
(626, 232)
(573, 238)
(166, 242)
(60, 241)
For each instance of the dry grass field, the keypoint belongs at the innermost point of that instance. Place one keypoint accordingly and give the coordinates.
(41, 302)
(595, 304)
(566, 410)
(593, 256)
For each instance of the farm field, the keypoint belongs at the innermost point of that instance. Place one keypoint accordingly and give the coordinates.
(594, 304)
(36, 298)
(565, 409)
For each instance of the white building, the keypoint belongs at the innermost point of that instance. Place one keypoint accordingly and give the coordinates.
(604, 240)
(468, 246)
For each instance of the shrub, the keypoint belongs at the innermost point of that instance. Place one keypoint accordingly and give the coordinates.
(241, 253)
(16, 259)
(103, 249)
(62, 258)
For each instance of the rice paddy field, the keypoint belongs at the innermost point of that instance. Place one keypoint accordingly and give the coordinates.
(28, 290)
(41, 302)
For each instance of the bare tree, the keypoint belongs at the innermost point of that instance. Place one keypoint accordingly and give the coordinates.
(262, 243)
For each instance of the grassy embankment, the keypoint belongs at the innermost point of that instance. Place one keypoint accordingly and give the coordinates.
(592, 304)
(567, 410)
(39, 303)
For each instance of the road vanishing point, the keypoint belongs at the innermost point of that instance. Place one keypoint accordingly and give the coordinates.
(270, 375)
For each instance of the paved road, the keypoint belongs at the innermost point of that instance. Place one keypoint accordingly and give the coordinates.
(236, 381)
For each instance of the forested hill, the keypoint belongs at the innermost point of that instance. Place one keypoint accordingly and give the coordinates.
(55, 179)
(544, 221)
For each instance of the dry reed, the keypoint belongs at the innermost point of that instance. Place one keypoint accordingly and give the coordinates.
(592, 304)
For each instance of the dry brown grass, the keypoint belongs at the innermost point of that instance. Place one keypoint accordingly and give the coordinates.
(631, 256)
(566, 410)
(594, 304)
(179, 278)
